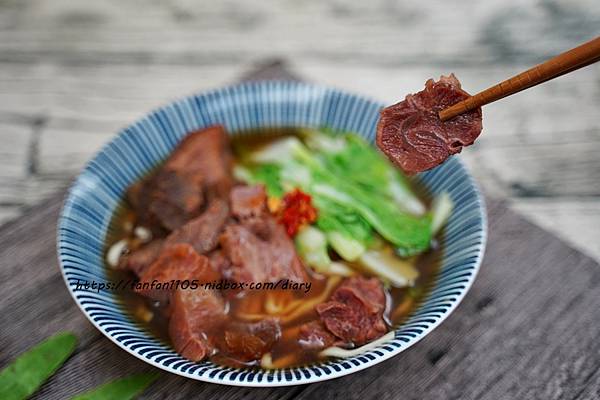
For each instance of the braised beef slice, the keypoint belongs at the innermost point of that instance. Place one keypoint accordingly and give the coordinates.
(167, 199)
(198, 170)
(219, 261)
(411, 134)
(355, 311)
(248, 201)
(208, 152)
(255, 258)
(257, 247)
(175, 262)
(176, 197)
(249, 341)
(196, 317)
(139, 259)
(314, 336)
(203, 232)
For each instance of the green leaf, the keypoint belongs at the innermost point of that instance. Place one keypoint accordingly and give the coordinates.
(441, 210)
(352, 176)
(268, 174)
(361, 163)
(312, 247)
(333, 217)
(120, 389)
(27, 373)
(411, 234)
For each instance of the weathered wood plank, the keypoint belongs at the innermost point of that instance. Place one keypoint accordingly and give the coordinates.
(378, 32)
(89, 94)
(62, 152)
(33, 298)
(14, 151)
(574, 220)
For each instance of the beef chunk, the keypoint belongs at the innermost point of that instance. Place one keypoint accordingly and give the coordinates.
(249, 341)
(202, 232)
(248, 201)
(355, 311)
(260, 259)
(175, 197)
(314, 336)
(198, 170)
(257, 246)
(175, 262)
(196, 314)
(167, 199)
(138, 260)
(208, 152)
(196, 317)
(411, 134)
(218, 261)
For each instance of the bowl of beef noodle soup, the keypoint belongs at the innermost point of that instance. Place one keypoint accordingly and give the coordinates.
(254, 236)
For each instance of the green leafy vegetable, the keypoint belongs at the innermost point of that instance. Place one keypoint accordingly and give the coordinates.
(340, 268)
(411, 234)
(336, 218)
(312, 247)
(345, 173)
(120, 389)
(348, 248)
(346, 230)
(27, 373)
(269, 175)
(385, 265)
(361, 163)
(440, 210)
(280, 151)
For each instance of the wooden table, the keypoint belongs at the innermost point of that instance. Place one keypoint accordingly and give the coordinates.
(73, 73)
(527, 329)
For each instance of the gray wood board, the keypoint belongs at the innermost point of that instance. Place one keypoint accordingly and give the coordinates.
(527, 328)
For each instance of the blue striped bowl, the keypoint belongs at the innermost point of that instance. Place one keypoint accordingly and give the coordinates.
(85, 218)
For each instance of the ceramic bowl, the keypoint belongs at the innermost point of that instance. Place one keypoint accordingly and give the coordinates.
(87, 212)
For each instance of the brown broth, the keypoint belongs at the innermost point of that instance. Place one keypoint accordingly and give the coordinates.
(401, 301)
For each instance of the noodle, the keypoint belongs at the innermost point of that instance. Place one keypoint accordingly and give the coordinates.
(275, 304)
(298, 306)
(344, 353)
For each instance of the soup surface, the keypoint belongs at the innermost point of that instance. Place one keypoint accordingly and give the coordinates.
(310, 270)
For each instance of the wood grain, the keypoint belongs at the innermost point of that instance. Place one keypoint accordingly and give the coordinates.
(527, 329)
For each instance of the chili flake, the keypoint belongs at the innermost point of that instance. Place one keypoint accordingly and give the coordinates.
(295, 211)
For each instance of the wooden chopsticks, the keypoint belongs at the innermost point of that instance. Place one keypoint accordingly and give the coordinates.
(578, 57)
